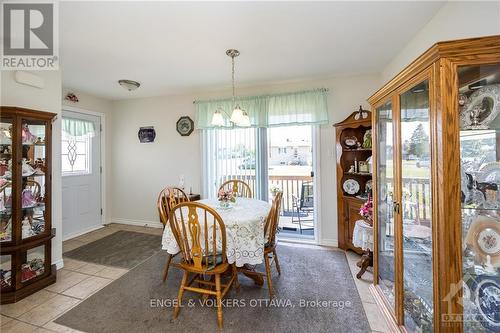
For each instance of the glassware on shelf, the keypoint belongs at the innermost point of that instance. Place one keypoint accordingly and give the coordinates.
(5, 272)
(480, 155)
(5, 184)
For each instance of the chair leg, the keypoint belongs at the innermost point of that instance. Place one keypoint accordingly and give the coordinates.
(236, 282)
(275, 256)
(300, 222)
(181, 292)
(220, 320)
(167, 265)
(268, 274)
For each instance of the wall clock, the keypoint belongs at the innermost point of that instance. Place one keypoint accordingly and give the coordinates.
(185, 126)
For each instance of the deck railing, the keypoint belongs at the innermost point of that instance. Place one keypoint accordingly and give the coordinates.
(291, 186)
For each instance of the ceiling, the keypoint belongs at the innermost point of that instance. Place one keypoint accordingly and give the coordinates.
(179, 47)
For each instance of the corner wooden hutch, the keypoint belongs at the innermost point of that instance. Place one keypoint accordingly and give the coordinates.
(25, 202)
(436, 132)
(353, 173)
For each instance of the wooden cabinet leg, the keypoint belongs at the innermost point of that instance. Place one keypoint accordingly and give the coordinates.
(365, 262)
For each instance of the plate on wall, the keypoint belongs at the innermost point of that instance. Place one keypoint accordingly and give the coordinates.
(351, 186)
(185, 126)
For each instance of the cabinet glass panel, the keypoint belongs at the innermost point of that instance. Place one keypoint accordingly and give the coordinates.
(33, 178)
(416, 209)
(479, 107)
(5, 272)
(33, 264)
(6, 179)
(385, 190)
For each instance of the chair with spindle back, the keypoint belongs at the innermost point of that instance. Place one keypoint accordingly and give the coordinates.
(201, 235)
(270, 230)
(168, 198)
(239, 188)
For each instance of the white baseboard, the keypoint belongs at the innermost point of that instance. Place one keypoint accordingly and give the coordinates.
(329, 242)
(59, 264)
(140, 223)
(81, 232)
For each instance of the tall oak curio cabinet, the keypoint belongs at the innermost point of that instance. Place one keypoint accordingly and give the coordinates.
(25, 202)
(436, 134)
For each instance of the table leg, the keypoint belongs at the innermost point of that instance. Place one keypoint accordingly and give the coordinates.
(250, 272)
(365, 262)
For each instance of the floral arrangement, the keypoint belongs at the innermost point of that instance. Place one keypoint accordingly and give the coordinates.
(226, 196)
(366, 210)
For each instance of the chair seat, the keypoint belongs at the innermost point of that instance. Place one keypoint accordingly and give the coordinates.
(212, 267)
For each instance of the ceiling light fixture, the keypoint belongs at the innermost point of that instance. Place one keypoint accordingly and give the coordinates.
(238, 117)
(129, 84)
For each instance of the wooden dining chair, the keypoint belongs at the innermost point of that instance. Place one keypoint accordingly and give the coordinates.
(168, 198)
(270, 230)
(239, 188)
(201, 235)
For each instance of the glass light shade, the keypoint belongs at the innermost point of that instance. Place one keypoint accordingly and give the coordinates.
(129, 84)
(245, 120)
(237, 115)
(217, 119)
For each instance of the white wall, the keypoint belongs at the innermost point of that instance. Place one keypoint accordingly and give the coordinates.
(141, 170)
(95, 104)
(47, 99)
(455, 20)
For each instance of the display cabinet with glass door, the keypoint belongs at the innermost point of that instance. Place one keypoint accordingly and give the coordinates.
(437, 190)
(25, 198)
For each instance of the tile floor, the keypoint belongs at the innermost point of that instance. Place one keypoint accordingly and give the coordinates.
(79, 280)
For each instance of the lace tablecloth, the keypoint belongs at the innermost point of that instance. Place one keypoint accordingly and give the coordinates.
(244, 223)
(362, 236)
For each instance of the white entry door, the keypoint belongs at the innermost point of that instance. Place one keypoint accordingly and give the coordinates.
(81, 179)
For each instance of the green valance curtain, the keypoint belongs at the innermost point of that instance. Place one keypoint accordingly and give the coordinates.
(296, 108)
(78, 127)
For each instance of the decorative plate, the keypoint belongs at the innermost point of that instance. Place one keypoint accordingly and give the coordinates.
(351, 186)
(482, 107)
(489, 173)
(185, 126)
(484, 237)
(487, 299)
(351, 142)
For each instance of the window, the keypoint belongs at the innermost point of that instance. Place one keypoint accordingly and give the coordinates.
(76, 154)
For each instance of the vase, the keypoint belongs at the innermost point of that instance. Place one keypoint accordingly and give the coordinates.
(223, 204)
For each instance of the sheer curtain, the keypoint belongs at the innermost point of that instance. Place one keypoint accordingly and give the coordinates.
(295, 108)
(231, 152)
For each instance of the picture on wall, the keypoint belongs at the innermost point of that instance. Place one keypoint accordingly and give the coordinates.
(146, 134)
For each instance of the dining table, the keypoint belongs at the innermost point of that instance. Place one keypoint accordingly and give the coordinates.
(244, 221)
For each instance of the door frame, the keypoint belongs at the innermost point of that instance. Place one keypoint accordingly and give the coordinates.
(102, 142)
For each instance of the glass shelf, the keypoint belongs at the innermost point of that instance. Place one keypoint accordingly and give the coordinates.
(480, 156)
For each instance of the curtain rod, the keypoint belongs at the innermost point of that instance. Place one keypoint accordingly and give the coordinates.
(266, 95)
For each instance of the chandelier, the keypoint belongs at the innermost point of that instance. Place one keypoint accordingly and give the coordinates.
(238, 117)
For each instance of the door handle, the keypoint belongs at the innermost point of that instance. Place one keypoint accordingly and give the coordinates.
(312, 174)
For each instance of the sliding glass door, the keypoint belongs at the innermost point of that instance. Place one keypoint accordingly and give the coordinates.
(290, 169)
(229, 154)
(268, 159)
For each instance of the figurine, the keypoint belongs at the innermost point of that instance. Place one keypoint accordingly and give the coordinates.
(367, 139)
